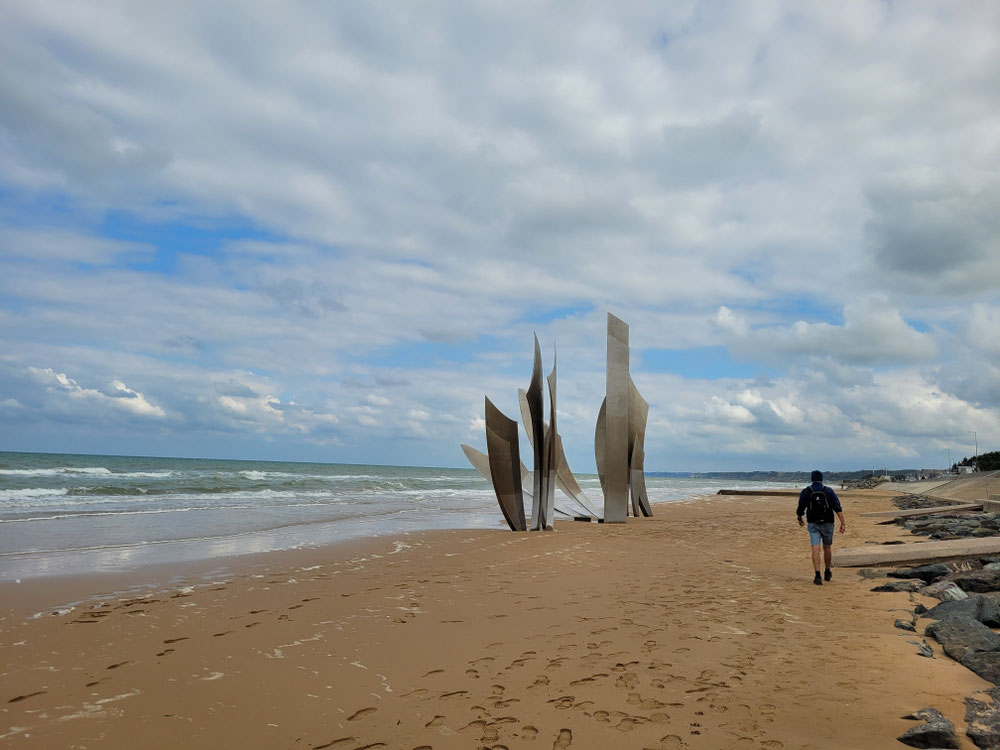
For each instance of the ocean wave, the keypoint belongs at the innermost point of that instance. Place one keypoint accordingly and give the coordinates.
(147, 474)
(259, 476)
(31, 494)
(57, 471)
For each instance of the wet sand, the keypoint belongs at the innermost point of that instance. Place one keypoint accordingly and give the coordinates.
(699, 628)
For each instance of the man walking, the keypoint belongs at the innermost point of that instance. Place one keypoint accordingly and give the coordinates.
(819, 502)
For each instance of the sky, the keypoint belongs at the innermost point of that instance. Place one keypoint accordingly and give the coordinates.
(326, 231)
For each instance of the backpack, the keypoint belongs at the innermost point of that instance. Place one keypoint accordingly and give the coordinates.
(818, 509)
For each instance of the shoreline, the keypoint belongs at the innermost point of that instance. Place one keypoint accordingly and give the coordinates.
(698, 628)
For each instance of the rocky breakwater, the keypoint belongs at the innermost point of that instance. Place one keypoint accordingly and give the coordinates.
(953, 525)
(963, 623)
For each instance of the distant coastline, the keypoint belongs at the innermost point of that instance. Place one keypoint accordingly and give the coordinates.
(775, 476)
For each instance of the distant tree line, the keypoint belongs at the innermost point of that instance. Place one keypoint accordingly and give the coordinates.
(986, 461)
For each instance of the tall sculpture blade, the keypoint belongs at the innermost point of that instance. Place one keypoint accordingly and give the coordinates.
(638, 413)
(505, 465)
(537, 431)
(600, 440)
(616, 424)
(637, 483)
(565, 481)
(551, 441)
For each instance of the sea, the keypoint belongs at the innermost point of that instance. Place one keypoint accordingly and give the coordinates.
(63, 513)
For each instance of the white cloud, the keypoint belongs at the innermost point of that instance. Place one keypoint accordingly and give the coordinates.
(116, 396)
(873, 333)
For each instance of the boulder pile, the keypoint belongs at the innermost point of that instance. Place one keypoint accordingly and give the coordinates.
(963, 622)
(911, 502)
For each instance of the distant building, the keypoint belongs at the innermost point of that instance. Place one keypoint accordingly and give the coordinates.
(966, 469)
(928, 474)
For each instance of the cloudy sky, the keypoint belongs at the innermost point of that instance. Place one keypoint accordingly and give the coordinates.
(327, 231)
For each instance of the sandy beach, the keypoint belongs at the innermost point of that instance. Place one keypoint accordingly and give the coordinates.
(699, 628)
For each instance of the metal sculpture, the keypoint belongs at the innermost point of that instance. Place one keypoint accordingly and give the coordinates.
(505, 465)
(537, 430)
(618, 446)
(637, 481)
(616, 432)
(638, 413)
(619, 465)
(549, 457)
(565, 482)
(481, 463)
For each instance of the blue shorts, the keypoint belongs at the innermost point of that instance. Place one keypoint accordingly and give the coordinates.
(821, 532)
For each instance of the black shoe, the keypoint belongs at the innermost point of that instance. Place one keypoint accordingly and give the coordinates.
(827, 575)
(817, 580)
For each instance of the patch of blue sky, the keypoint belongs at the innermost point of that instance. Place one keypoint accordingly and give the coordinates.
(700, 363)
(20, 209)
(556, 313)
(173, 239)
(431, 354)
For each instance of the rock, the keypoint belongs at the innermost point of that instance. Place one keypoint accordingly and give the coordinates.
(905, 625)
(981, 608)
(926, 573)
(946, 591)
(871, 573)
(937, 732)
(983, 720)
(919, 609)
(986, 664)
(900, 586)
(992, 566)
(953, 593)
(980, 532)
(978, 580)
(963, 635)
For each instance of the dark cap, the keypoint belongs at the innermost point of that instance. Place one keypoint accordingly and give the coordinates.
(817, 475)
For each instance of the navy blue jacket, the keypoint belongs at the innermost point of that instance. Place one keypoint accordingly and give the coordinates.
(831, 498)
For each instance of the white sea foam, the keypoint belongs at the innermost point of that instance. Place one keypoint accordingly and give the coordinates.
(58, 471)
(31, 494)
(148, 474)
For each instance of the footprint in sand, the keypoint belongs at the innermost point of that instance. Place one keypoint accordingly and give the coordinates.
(437, 721)
(472, 673)
(563, 702)
(361, 713)
(564, 740)
(529, 733)
(628, 723)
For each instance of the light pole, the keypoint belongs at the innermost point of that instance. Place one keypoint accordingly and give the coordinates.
(976, 438)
